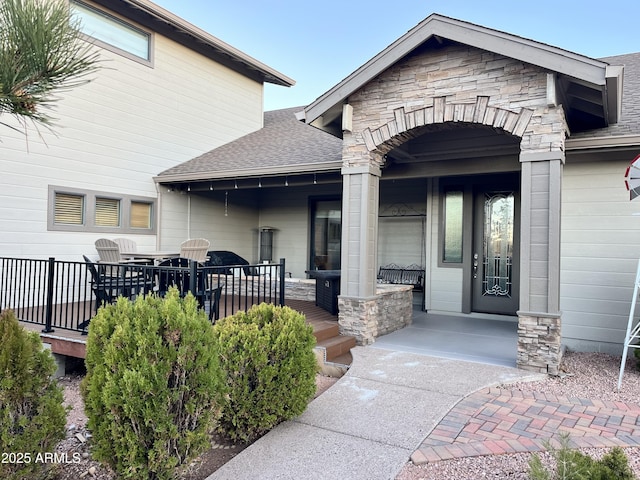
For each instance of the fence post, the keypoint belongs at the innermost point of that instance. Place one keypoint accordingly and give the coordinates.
(193, 267)
(49, 308)
(282, 273)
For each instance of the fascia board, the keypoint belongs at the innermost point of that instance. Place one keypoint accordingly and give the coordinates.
(182, 25)
(264, 172)
(597, 143)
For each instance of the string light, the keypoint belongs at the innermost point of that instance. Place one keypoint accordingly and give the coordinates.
(286, 181)
(226, 204)
(236, 184)
(211, 187)
(314, 179)
(260, 183)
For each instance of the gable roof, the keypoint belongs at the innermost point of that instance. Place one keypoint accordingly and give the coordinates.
(597, 84)
(163, 21)
(283, 146)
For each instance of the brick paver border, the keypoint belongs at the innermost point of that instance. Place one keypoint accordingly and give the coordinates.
(495, 421)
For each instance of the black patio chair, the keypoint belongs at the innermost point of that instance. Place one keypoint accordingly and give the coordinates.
(177, 272)
(107, 288)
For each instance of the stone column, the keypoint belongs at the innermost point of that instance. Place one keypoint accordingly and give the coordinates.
(539, 326)
(360, 201)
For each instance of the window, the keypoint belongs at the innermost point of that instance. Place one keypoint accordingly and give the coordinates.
(140, 215)
(453, 226)
(90, 211)
(68, 209)
(111, 31)
(326, 234)
(107, 212)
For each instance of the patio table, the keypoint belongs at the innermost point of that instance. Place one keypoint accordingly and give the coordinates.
(152, 256)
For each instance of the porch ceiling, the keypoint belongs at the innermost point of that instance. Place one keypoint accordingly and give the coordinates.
(447, 143)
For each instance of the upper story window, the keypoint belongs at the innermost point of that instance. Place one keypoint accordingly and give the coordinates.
(113, 33)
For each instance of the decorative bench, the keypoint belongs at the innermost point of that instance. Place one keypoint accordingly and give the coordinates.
(410, 275)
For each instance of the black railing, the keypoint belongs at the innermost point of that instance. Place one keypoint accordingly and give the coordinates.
(66, 295)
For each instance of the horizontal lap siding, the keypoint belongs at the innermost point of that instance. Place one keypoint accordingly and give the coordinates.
(114, 135)
(444, 284)
(600, 251)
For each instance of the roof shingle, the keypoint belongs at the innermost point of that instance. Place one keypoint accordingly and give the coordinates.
(282, 142)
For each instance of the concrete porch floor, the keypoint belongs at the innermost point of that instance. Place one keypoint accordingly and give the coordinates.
(489, 339)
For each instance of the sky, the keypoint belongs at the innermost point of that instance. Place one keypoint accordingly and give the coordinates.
(319, 43)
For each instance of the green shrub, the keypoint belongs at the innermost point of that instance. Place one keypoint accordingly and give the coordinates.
(32, 416)
(269, 367)
(574, 465)
(151, 383)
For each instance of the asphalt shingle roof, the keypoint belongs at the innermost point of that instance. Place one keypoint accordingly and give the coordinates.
(284, 141)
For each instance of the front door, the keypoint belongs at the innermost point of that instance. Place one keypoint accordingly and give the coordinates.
(495, 257)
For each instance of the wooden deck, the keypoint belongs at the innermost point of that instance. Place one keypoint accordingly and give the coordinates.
(73, 343)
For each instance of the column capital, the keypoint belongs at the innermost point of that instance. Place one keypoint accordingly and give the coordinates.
(538, 156)
(361, 169)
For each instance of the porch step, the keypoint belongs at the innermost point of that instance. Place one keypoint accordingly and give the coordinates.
(334, 355)
(337, 346)
(324, 330)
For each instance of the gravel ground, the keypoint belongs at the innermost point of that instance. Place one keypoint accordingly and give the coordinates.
(76, 445)
(585, 375)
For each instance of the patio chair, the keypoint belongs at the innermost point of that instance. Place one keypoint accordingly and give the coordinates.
(107, 288)
(126, 245)
(195, 249)
(109, 252)
(177, 272)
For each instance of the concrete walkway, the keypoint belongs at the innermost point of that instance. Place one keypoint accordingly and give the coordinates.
(370, 422)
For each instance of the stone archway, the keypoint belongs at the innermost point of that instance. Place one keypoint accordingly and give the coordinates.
(542, 131)
(404, 125)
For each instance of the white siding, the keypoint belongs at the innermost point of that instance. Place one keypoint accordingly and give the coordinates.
(443, 285)
(114, 135)
(600, 251)
(288, 211)
(195, 216)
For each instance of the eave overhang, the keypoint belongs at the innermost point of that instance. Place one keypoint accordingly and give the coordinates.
(282, 170)
(163, 21)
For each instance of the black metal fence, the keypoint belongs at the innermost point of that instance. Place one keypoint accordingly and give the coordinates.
(66, 295)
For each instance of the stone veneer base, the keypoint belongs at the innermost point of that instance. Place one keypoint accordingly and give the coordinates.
(539, 342)
(368, 318)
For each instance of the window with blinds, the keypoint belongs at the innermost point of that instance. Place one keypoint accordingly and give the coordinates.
(69, 209)
(107, 212)
(76, 210)
(140, 215)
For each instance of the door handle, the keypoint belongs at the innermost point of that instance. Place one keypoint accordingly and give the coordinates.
(475, 265)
